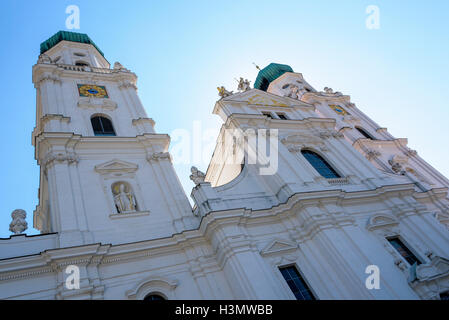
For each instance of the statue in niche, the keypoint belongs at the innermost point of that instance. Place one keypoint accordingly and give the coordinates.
(243, 85)
(197, 176)
(124, 199)
(18, 224)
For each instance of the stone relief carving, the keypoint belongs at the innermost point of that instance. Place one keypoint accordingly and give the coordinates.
(18, 224)
(124, 198)
(197, 176)
(372, 154)
(85, 102)
(223, 93)
(396, 167)
(330, 134)
(157, 156)
(244, 85)
(60, 157)
(127, 84)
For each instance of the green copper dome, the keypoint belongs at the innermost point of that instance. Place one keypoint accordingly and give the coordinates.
(67, 36)
(269, 74)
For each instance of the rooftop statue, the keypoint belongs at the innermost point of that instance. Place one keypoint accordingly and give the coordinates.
(223, 93)
(18, 224)
(244, 85)
(197, 176)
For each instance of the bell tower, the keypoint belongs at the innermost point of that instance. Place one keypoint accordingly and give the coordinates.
(105, 174)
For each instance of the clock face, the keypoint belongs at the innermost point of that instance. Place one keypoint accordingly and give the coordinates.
(338, 109)
(91, 90)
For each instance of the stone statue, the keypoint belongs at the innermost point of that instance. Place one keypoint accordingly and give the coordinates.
(396, 167)
(243, 85)
(118, 66)
(329, 92)
(124, 200)
(43, 58)
(223, 93)
(197, 176)
(294, 92)
(18, 224)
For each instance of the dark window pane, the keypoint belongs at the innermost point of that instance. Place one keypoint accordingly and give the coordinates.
(320, 164)
(296, 283)
(268, 114)
(102, 126)
(364, 133)
(282, 116)
(96, 124)
(153, 297)
(404, 251)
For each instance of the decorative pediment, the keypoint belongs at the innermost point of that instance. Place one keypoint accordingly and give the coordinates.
(381, 221)
(116, 166)
(278, 245)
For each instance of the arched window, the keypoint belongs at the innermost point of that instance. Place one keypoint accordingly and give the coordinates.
(153, 297)
(102, 126)
(320, 164)
(365, 133)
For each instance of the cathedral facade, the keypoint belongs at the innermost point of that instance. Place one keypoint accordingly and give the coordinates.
(337, 208)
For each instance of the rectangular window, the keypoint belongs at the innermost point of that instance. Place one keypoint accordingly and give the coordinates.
(296, 283)
(268, 114)
(404, 251)
(282, 116)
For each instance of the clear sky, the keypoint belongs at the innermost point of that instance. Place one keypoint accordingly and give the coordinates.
(182, 50)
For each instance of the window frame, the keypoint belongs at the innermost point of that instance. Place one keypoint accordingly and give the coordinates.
(268, 114)
(365, 133)
(103, 134)
(407, 247)
(154, 293)
(326, 161)
(279, 114)
(301, 276)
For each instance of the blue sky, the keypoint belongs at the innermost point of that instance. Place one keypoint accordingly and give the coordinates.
(182, 50)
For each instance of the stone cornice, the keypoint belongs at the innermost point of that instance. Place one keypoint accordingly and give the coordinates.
(54, 259)
(55, 72)
(138, 121)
